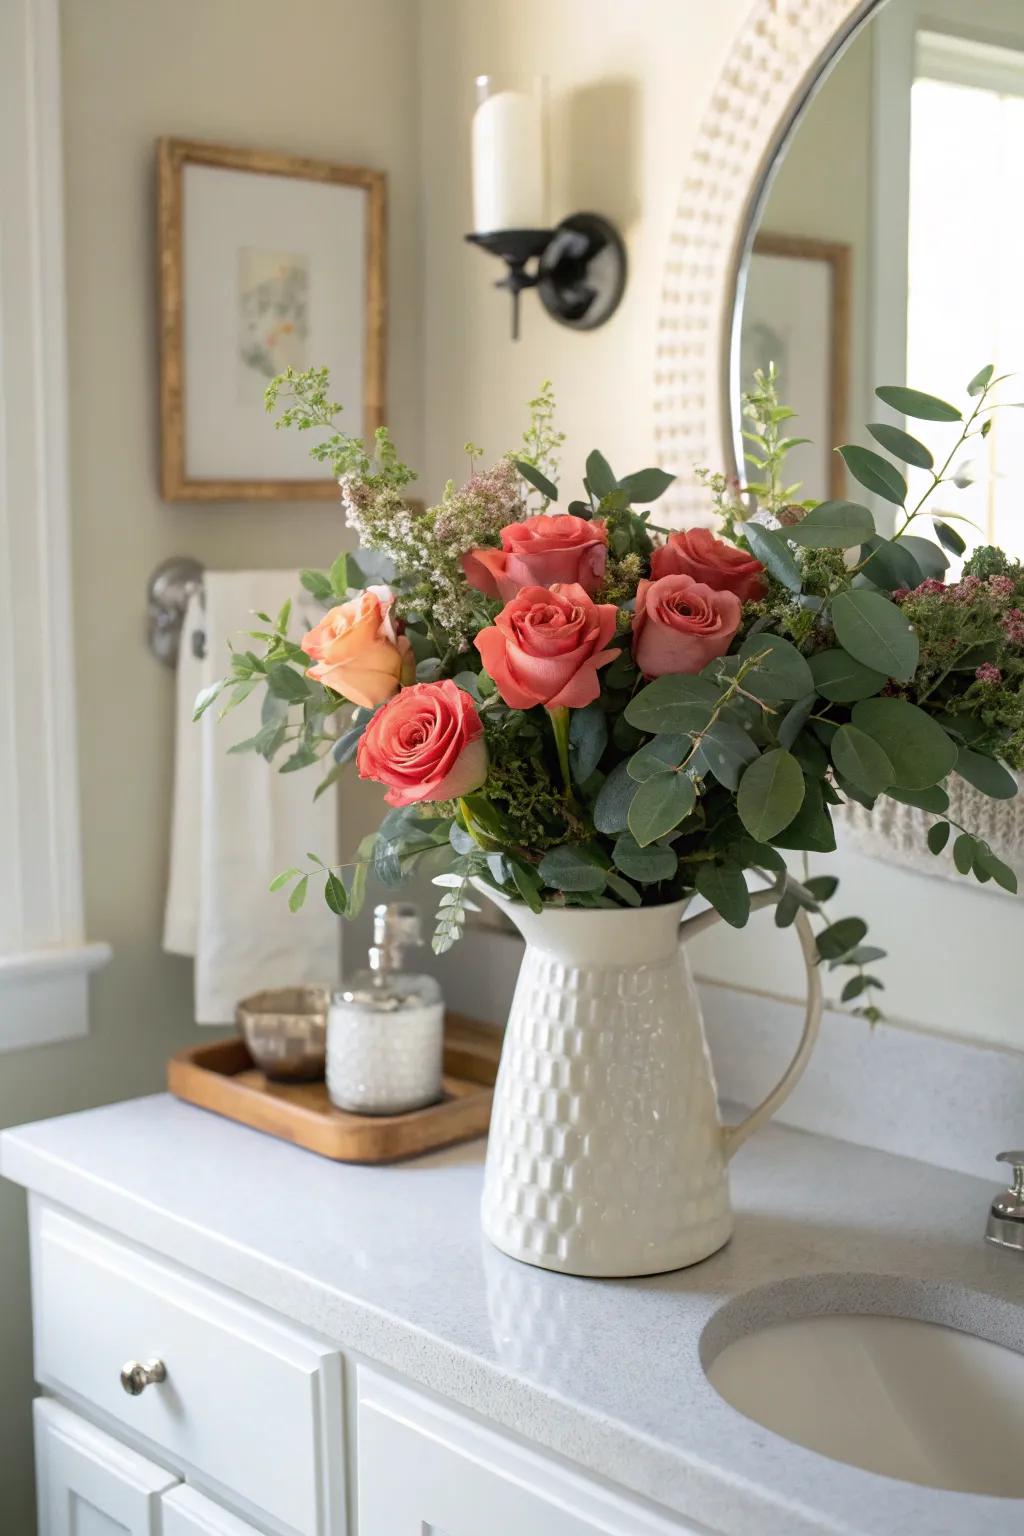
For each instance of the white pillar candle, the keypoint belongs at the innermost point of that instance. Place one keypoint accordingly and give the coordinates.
(508, 163)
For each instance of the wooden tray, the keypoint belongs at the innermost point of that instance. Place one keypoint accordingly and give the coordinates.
(221, 1077)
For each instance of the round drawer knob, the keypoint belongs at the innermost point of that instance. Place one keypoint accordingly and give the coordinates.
(135, 1378)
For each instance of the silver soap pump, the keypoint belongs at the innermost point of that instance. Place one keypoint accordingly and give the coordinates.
(385, 1028)
(1006, 1218)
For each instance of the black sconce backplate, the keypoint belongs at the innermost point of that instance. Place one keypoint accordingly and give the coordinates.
(580, 272)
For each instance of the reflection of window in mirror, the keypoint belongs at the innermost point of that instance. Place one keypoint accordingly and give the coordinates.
(966, 234)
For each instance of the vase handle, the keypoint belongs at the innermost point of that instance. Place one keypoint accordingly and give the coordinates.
(735, 1135)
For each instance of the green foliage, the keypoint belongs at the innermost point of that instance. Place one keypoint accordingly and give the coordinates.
(857, 672)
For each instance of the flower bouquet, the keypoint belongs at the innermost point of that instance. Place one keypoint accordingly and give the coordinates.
(574, 707)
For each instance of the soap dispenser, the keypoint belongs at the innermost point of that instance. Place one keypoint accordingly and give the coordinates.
(385, 1027)
(1006, 1218)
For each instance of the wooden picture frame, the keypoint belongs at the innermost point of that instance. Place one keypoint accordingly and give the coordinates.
(174, 155)
(837, 258)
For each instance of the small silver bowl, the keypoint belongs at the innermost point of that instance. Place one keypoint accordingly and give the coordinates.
(285, 1032)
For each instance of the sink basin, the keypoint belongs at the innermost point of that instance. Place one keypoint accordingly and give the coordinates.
(909, 1399)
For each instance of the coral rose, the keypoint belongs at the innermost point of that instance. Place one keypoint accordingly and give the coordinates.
(427, 744)
(545, 647)
(540, 552)
(357, 650)
(681, 624)
(696, 552)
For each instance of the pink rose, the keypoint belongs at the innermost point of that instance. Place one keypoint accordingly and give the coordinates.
(681, 624)
(427, 744)
(541, 552)
(357, 650)
(696, 552)
(545, 647)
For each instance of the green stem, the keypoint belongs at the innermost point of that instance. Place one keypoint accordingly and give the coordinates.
(560, 726)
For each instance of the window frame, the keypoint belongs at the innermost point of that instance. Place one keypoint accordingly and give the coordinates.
(45, 960)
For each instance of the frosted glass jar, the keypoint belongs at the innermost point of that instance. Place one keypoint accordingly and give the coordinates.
(385, 1040)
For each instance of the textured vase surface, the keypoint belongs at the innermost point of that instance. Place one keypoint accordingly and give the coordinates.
(606, 1152)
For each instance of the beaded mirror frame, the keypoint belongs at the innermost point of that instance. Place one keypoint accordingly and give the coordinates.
(770, 74)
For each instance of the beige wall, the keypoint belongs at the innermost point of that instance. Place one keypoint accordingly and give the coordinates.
(335, 78)
(628, 81)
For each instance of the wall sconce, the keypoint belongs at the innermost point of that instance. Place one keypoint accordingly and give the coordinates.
(579, 266)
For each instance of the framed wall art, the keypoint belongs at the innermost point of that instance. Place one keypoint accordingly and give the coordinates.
(796, 313)
(267, 261)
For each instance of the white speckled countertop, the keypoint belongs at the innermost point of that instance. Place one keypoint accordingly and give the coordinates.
(390, 1262)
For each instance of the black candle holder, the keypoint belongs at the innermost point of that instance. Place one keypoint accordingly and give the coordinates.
(580, 271)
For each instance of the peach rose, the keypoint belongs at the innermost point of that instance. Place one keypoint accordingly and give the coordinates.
(540, 552)
(545, 647)
(696, 552)
(681, 624)
(357, 649)
(427, 744)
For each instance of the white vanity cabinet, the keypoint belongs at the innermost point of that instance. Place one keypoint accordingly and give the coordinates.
(243, 1431)
(88, 1483)
(249, 1407)
(426, 1470)
(92, 1485)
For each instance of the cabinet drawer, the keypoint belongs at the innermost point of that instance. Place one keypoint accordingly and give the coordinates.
(460, 1478)
(252, 1404)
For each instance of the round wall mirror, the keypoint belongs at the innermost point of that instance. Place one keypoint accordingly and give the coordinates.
(882, 244)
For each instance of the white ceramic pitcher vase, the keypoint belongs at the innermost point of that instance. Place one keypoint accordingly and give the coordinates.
(606, 1153)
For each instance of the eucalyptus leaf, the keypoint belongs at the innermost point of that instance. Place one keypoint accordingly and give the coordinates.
(588, 737)
(285, 683)
(811, 828)
(1001, 873)
(659, 805)
(611, 808)
(537, 479)
(901, 445)
(770, 794)
(981, 380)
(933, 798)
(841, 680)
(600, 479)
(781, 674)
(839, 938)
(938, 836)
(645, 485)
(875, 632)
(795, 719)
(833, 525)
(860, 759)
(964, 850)
(567, 869)
(659, 756)
(724, 888)
(916, 745)
(914, 402)
(889, 564)
(948, 537)
(986, 774)
(673, 704)
(725, 750)
(932, 561)
(875, 473)
(771, 548)
(645, 865)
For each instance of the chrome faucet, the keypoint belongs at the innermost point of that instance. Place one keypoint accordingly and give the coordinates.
(1006, 1218)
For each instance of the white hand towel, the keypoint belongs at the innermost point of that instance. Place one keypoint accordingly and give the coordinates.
(237, 822)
